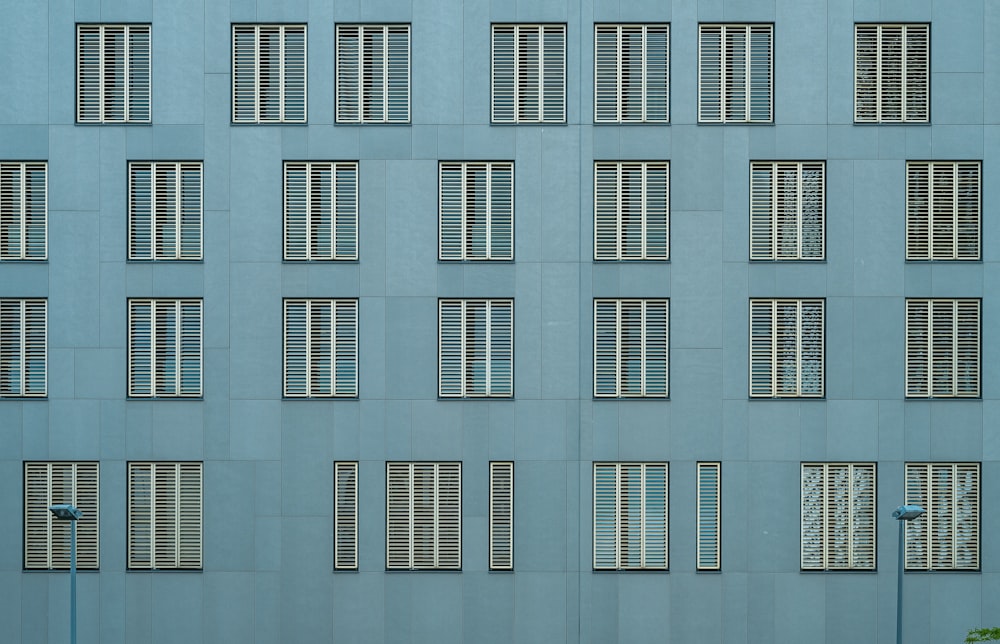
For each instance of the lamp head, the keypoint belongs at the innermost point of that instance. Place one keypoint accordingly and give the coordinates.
(908, 512)
(66, 511)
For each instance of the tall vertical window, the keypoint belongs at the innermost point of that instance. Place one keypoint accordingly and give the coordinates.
(942, 348)
(321, 210)
(23, 211)
(947, 536)
(501, 515)
(164, 515)
(23, 348)
(631, 348)
(529, 74)
(892, 73)
(269, 74)
(164, 348)
(373, 73)
(46, 538)
(786, 348)
(112, 74)
(630, 516)
(476, 210)
(838, 516)
(631, 73)
(165, 210)
(423, 516)
(345, 515)
(709, 516)
(735, 73)
(321, 348)
(475, 348)
(631, 210)
(943, 210)
(787, 210)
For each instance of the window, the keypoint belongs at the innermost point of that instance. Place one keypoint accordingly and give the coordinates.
(709, 516)
(373, 73)
(476, 211)
(786, 348)
(947, 536)
(424, 516)
(321, 210)
(838, 516)
(112, 73)
(321, 348)
(942, 348)
(631, 210)
(501, 515)
(345, 516)
(164, 348)
(475, 348)
(787, 210)
(269, 74)
(735, 72)
(23, 348)
(630, 516)
(23, 211)
(943, 210)
(165, 210)
(631, 73)
(164, 515)
(529, 73)
(630, 348)
(891, 73)
(46, 538)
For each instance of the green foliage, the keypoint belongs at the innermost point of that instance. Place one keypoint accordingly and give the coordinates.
(983, 635)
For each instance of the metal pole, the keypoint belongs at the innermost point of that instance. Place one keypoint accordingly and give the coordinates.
(72, 582)
(899, 587)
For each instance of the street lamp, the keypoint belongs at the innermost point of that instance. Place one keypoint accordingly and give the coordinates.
(901, 514)
(72, 514)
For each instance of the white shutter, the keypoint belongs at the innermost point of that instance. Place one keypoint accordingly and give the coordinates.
(345, 516)
(398, 74)
(321, 348)
(916, 73)
(606, 348)
(349, 70)
(501, 515)
(269, 74)
(373, 73)
(244, 74)
(943, 348)
(475, 348)
(631, 73)
(321, 211)
(424, 516)
(476, 211)
(165, 210)
(165, 516)
(630, 516)
(88, 74)
(165, 348)
(345, 347)
(451, 351)
(294, 74)
(813, 517)
(504, 71)
(529, 74)
(947, 536)
(838, 516)
(23, 348)
(891, 73)
(399, 544)
(631, 348)
(189, 515)
(787, 204)
(943, 210)
(113, 73)
(631, 210)
(709, 502)
(735, 73)
(786, 348)
(23, 211)
(190, 348)
(710, 82)
(296, 367)
(140, 515)
(140, 348)
(113, 91)
(138, 80)
(47, 539)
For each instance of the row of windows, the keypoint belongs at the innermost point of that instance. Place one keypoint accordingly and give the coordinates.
(528, 73)
(424, 515)
(476, 348)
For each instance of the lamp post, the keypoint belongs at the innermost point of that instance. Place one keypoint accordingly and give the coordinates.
(72, 514)
(901, 514)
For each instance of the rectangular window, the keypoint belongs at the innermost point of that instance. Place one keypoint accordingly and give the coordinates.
(838, 516)
(112, 73)
(475, 348)
(269, 74)
(476, 211)
(787, 210)
(942, 348)
(735, 73)
(631, 73)
(529, 74)
(947, 536)
(164, 515)
(373, 73)
(423, 516)
(23, 348)
(321, 210)
(891, 73)
(631, 348)
(786, 348)
(631, 210)
(165, 210)
(630, 516)
(943, 210)
(709, 516)
(46, 538)
(23, 211)
(321, 348)
(501, 515)
(164, 348)
(345, 516)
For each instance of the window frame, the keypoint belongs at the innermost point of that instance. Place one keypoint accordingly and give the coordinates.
(607, 366)
(768, 216)
(621, 193)
(188, 517)
(456, 359)
(397, 515)
(607, 537)
(181, 196)
(830, 547)
(127, 74)
(339, 349)
(21, 214)
(177, 353)
(342, 212)
(342, 110)
(619, 62)
(500, 76)
(345, 515)
(879, 107)
(38, 519)
(705, 109)
(772, 363)
(932, 377)
(30, 354)
(926, 527)
(918, 234)
(452, 205)
(283, 84)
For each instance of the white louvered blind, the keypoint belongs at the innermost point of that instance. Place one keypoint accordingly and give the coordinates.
(735, 73)
(631, 348)
(321, 348)
(23, 348)
(947, 536)
(475, 348)
(630, 516)
(373, 73)
(23, 211)
(631, 210)
(46, 538)
(112, 73)
(476, 210)
(165, 347)
(269, 74)
(321, 210)
(838, 516)
(529, 74)
(943, 210)
(631, 73)
(786, 348)
(501, 515)
(164, 515)
(423, 516)
(165, 210)
(709, 516)
(787, 210)
(345, 516)
(942, 348)
(891, 73)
